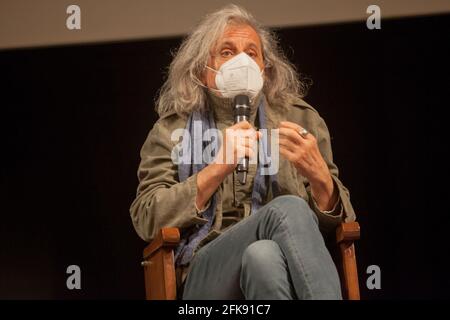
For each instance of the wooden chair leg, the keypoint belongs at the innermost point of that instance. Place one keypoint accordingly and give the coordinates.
(350, 272)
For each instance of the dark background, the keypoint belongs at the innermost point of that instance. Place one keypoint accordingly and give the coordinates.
(73, 120)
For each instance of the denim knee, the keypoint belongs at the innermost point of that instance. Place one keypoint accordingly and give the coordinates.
(294, 207)
(260, 254)
(264, 271)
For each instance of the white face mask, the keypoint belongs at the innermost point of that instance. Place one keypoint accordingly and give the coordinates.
(239, 75)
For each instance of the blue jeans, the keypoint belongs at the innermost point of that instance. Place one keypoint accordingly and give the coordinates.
(276, 253)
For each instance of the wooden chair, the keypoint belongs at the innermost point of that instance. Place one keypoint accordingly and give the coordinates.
(159, 267)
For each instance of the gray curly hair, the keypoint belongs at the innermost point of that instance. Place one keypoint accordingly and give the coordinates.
(181, 91)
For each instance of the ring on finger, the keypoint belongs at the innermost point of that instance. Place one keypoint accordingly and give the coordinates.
(303, 132)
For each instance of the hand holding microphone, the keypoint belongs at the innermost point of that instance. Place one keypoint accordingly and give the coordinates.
(238, 143)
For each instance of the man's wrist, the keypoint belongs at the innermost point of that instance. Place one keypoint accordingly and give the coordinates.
(205, 207)
(324, 193)
(220, 171)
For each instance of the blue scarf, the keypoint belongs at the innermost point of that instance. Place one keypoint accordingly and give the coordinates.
(191, 238)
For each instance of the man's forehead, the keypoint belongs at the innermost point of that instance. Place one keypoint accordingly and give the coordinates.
(235, 33)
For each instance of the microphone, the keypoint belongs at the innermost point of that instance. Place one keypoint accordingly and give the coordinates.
(241, 113)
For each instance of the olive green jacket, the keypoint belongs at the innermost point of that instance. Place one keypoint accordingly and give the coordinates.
(163, 201)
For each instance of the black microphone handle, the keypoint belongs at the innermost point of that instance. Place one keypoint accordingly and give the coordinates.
(242, 167)
(241, 113)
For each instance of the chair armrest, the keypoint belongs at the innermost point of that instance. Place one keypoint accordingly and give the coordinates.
(159, 265)
(347, 232)
(167, 237)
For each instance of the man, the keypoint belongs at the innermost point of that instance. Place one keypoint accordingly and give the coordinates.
(263, 239)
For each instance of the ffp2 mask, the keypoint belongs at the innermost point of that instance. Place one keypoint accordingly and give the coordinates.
(239, 75)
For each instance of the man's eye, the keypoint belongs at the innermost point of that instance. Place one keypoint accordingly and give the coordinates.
(252, 54)
(226, 53)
